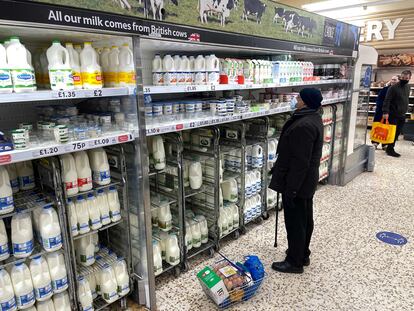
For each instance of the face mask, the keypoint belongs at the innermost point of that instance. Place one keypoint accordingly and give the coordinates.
(404, 82)
(293, 103)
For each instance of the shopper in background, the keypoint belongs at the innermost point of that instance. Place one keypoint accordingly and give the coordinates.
(396, 106)
(296, 175)
(379, 103)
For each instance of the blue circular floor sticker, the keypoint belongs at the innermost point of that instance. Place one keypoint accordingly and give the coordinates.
(391, 238)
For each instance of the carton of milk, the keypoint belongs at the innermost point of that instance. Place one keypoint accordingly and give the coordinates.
(213, 285)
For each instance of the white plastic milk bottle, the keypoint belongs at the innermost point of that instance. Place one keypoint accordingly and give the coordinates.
(6, 192)
(26, 175)
(57, 270)
(75, 66)
(61, 302)
(196, 175)
(108, 284)
(98, 159)
(83, 170)
(257, 156)
(188, 239)
(170, 74)
(114, 205)
(92, 284)
(186, 69)
(73, 218)
(60, 70)
(85, 295)
(90, 69)
(50, 229)
(85, 250)
(230, 190)
(69, 174)
(14, 178)
(157, 73)
(82, 214)
(179, 69)
(172, 251)
(200, 70)
(164, 216)
(122, 277)
(42, 283)
(94, 213)
(6, 84)
(4, 245)
(156, 251)
(126, 74)
(158, 152)
(95, 238)
(7, 300)
(22, 285)
(112, 75)
(45, 305)
(104, 58)
(195, 233)
(22, 235)
(22, 72)
(103, 204)
(213, 69)
(203, 227)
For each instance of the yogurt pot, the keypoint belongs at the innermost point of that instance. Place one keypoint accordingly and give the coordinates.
(198, 106)
(175, 107)
(221, 107)
(182, 107)
(167, 108)
(213, 106)
(157, 109)
(190, 107)
(148, 110)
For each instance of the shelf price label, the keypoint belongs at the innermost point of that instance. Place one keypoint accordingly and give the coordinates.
(191, 88)
(147, 90)
(78, 146)
(64, 94)
(99, 142)
(46, 152)
(97, 93)
(153, 131)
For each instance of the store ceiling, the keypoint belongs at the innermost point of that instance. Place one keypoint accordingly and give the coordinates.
(345, 10)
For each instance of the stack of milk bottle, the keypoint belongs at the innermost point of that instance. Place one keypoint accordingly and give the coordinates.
(94, 210)
(25, 284)
(104, 273)
(64, 68)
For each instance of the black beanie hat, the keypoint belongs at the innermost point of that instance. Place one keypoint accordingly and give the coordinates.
(311, 97)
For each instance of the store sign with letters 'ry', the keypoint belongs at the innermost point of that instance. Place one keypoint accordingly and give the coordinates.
(372, 30)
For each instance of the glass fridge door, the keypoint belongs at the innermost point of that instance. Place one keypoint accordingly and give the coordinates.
(363, 107)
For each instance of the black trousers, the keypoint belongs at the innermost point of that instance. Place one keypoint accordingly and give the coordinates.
(299, 227)
(399, 122)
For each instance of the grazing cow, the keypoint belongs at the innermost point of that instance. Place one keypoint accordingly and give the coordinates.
(279, 13)
(292, 22)
(157, 8)
(254, 7)
(308, 25)
(220, 7)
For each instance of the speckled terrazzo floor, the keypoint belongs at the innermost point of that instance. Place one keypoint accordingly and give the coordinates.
(350, 269)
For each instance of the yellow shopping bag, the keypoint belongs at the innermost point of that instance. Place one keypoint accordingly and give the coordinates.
(383, 133)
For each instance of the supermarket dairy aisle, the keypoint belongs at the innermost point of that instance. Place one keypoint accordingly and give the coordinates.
(350, 269)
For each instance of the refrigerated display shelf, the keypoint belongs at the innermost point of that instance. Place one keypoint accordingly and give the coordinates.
(192, 192)
(44, 95)
(229, 233)
(94, 189)
(208, 120)
(100, 304)
(168, 89)
(112, 224)
(52, 149)
(166, 267)
(196, 251)
(37, 250)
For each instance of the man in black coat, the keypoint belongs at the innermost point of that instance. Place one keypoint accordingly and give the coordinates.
(296, 174)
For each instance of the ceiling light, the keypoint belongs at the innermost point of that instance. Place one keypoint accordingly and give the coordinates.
(332, 5)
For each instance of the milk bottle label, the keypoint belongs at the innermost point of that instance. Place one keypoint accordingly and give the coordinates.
(87, 308)
(84, 181)
(110, 295)
(175, 259)
(23, 78)
(5, 79)
(14, 183)
(70, 185)
(60, 284)
(86, 259)
(77, 78)
(165, 225)
(200, 78)
(123, 289)
(52, 243)
(60, 78)
(6, 203)
(170, 78)
(157, 78)
(114, 214)
(213, 77)
(111, 77)
(126, 77)
(92, 78)
(42, 292)
(83, 226)
(23, 248)
(4, 250)
(25, 300)
(9, 305)
(26, 181)
(181, 78)
(101, 176)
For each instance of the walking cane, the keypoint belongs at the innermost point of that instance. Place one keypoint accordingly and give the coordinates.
(277, 218)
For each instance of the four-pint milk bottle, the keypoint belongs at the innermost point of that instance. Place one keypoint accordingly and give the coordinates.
(6, 84)
(42, 283)
(75, 65)
(60, 70)
(6, 192)
(7, 300)
(57, 270)
(22, 235)
(83, 170)
(90, 69)
(126, 76)
(4, 242)
(50, 229)
(69, 174)
(22, 285)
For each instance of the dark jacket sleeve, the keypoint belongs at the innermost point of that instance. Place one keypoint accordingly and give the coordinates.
(388, 99)
(279, 171)
(301, 142)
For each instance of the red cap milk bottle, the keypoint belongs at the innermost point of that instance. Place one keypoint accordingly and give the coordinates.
(69, 174)
(83, 170)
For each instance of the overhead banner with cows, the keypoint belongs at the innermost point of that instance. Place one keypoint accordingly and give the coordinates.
(260, 18)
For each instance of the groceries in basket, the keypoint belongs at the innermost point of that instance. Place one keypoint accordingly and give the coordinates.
(227, 283)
